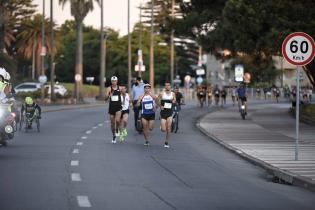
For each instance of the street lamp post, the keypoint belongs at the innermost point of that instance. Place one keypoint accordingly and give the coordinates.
(129, 49)
(172, 46)
(52, 54)
(43, 53)
(102, 60)
(152, 46)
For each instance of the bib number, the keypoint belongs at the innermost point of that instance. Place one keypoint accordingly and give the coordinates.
(167, 106)
(114, 98)
(148, 106)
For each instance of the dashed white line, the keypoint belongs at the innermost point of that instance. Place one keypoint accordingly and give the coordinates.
(83, 201)
(74, 163)
(83, 137)
(94, 127)
(79, 143)
(75, 177)
(88, 132)
(100, 125)
(75, 151)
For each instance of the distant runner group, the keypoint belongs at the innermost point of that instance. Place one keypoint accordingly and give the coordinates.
(145, 104)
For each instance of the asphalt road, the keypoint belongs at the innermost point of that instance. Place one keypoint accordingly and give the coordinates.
(71, 164)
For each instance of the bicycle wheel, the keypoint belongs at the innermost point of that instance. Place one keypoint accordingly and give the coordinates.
(38, 125)
(176, 123)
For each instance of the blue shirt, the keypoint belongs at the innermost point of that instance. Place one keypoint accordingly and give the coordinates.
(241, 92)
(137, 91)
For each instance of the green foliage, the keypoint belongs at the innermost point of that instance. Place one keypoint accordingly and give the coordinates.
(34, 95)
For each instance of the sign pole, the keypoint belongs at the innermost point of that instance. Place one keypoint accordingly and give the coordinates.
(297, 112)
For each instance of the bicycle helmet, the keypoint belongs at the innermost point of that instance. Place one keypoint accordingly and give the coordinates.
(7, 76)
(3, 72)
(28, 100)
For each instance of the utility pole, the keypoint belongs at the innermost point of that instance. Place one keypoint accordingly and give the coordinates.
(43, 53)
(129, 49)
(52, 53)
(102, 59)
(140, 62)
(152, 46)
(172, 45)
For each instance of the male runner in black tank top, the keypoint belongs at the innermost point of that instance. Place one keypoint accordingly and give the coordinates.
(115, 107)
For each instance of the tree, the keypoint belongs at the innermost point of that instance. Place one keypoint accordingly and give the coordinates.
(79, 10)
(248, 28)
(29, 39)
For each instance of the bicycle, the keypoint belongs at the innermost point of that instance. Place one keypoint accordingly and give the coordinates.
(27, 120)
(175, 118)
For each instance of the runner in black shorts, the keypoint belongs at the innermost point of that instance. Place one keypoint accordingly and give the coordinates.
(115, 107)
(147, 104)
(167, 99)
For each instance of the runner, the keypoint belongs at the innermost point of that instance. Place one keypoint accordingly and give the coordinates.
(166, 100)
(115, 107)
(137, 91)
(125, 99)
(209, 94)
(147, 103)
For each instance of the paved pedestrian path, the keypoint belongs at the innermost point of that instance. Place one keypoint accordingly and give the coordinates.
(266, 137)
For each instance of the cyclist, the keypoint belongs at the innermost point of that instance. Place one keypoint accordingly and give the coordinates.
(147, 104)
(242, 96)
(179, 98)
(115, 107)
(137, 91)
(5, 87)
(30, 107)
(166, 100)
(125, 112)
(201, 95)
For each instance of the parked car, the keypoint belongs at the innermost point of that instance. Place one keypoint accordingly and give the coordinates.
(58, 89)
(27, 87)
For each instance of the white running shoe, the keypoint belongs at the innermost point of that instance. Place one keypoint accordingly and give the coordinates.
(114, 140)
(166, 145)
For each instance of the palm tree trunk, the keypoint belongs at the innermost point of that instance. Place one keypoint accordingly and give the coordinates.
(1, 29)
(79, 61)
(33, 59)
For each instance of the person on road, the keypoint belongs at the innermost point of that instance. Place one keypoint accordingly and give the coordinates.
(166, 100)
(115, 107)
(209, 94)
(223, 96)
(137, 91)
(179, 98)
(242, 96)
(125, 100)
(233, 94)
(216, 95)
(31, 108)
(201, 95)
(147, 102)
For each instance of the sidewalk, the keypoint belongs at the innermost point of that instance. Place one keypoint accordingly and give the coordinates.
(266, 138)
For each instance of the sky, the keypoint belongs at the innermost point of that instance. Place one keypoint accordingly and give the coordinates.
(115, 13)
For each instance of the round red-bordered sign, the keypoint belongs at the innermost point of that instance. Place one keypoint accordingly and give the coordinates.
(298, 48)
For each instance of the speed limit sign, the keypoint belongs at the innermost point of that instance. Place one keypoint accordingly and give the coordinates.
(298, 48)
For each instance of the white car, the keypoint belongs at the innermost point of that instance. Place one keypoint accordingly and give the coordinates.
(58, 89)
(27, 87)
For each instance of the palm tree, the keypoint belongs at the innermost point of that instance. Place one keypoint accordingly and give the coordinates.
(30, 40)
(79, 10)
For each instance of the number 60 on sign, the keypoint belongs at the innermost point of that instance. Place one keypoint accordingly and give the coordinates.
(298, 48)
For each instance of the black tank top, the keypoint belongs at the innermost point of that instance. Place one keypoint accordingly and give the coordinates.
(115, 99)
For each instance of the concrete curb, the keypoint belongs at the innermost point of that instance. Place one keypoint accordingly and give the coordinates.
(276, 172)
(86, 106)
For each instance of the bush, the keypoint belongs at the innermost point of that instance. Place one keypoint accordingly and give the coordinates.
(35, 95)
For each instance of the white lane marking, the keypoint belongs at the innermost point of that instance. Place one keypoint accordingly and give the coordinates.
(75, 151)
(79, 143)
(83, 137)
(107, 121)
(100, 125)
(88, 132)
(75, 177)
(83, 201)
(74, 162)
(94, 127)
